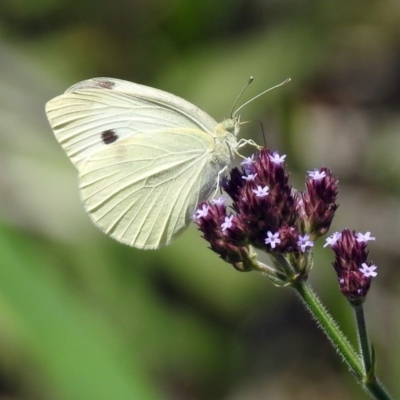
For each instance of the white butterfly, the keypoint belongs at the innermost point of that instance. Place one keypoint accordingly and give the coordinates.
(145, 157)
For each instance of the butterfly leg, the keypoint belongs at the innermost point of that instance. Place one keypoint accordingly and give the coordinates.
(217, 183)
(244, 142)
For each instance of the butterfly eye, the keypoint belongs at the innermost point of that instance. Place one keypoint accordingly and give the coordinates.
(229, 125)
(109, 136)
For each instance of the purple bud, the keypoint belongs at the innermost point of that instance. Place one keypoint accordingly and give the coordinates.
(351, 264)
(317, 205)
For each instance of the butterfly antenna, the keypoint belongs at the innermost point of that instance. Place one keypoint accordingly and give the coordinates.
(262, 130)
(261, 125)
(256, 97)
(240, 94)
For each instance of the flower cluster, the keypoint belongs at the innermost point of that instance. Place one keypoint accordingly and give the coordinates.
(268, 213)
(351, 264)
(318, 201)
(213, 221)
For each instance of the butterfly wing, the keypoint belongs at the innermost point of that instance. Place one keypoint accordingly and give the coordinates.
(143, 190)
(94, 113)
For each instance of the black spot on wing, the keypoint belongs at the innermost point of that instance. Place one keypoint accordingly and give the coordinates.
(103, 83)
(109, 136)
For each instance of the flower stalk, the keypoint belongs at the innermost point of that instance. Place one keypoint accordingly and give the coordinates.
(330, 328)
(363, 340)
(267, 214)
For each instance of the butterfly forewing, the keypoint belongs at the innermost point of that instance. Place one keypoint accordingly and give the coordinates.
(86, 110)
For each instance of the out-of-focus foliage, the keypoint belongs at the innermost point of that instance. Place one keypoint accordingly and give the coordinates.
(83, 317)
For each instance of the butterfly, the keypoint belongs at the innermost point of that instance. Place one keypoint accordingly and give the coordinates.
(145, 157)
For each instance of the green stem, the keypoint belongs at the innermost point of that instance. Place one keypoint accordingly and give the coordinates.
(376, 389)
(370, 380)
(330, 328)
(339, 341)
(363, 338)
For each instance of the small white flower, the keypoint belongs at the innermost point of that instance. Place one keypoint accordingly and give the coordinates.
(272, 239)
(304, 242)
(261, 191)
(219, 201)
(201, 212)
(249, 177)
(360, 237)
(332, 239)
(276, 158)
(316, 175)
(248, 161)
(368, 271)
(227, 224)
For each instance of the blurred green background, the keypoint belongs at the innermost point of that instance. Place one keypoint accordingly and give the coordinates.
(84, 317)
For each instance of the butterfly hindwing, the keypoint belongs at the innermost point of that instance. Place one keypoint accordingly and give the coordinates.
(143, 190)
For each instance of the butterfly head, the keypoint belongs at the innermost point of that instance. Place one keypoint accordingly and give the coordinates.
(232, 125)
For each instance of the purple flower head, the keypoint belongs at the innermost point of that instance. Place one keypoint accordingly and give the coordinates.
(352, 267)
(318, 203)
(262, 200)
(216, 226)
